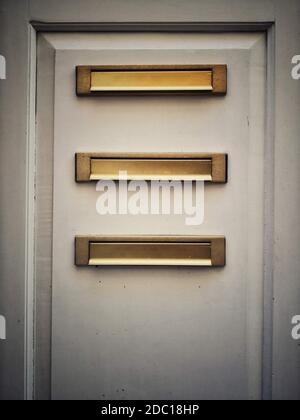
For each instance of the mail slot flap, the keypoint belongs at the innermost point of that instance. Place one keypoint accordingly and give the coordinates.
(154, 250)
(152, 169)
(163, 80)
(196, 167)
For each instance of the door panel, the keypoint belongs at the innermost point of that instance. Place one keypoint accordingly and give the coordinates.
(159, 333)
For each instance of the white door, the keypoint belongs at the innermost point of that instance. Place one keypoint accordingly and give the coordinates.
(156, 333)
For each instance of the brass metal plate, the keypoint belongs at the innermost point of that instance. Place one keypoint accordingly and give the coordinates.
(143, 79)
(195, 167)
(150, 250)
(128, 81)
(152, 169)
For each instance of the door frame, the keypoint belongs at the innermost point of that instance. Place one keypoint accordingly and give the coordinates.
(19, 30)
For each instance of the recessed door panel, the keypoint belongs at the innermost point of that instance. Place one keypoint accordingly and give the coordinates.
(153, 332)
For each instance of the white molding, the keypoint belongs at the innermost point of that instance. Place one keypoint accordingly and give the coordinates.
(153, 11)
(152, 26)
(267, 357)
(30, 221)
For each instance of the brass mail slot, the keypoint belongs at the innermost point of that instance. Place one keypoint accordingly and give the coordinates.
(150, 250)
(195, 167)
(141, 79)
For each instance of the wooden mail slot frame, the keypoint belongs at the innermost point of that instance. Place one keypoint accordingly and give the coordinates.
(150, 251)
(194, 166)
(151, 79)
